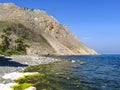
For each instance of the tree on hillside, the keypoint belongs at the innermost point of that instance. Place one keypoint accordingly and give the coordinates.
(9, 47)
(20, 44)
(6, 41)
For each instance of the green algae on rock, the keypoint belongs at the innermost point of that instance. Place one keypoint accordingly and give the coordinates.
(19, 86)
(16, 76)
(52, 76)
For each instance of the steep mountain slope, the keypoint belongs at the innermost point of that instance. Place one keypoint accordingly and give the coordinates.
(45, 34)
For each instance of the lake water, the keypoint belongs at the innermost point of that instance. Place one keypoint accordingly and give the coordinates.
(98, 72)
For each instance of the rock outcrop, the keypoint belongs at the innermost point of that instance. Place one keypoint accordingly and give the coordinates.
(46, 35)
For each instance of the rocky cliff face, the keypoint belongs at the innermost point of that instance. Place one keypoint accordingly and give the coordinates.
(46, 35)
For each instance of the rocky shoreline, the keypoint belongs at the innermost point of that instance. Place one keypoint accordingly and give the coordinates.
(19, 63)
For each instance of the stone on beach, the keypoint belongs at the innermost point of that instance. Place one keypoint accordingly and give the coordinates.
(5, 87)
(15, 75)
(12, 72)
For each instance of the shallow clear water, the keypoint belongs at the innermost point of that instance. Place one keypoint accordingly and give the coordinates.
(99, 72)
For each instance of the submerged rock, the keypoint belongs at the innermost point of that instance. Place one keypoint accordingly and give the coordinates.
(81, 62)
(76, 67)
(31, 88)
(72, 61)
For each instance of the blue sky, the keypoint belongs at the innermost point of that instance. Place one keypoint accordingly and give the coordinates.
(95, 22)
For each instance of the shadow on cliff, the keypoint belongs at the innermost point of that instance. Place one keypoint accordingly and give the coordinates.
(4, 61)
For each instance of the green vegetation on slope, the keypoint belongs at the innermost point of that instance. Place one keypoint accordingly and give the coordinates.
(4, 25)
(36, 41)
(7, 48)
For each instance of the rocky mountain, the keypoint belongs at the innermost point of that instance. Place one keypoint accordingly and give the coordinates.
(45, 34)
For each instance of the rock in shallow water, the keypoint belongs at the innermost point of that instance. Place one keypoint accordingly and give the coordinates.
(81, 62)
(73, 61)
(31, 88)
(15, 75)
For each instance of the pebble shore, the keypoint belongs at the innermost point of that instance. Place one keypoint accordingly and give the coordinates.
(19, 63)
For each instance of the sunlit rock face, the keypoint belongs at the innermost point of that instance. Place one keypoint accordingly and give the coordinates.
(46, 34)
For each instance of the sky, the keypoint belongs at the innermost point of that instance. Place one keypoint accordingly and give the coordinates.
(95, 22)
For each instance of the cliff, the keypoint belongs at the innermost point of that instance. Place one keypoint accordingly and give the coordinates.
(45, 34)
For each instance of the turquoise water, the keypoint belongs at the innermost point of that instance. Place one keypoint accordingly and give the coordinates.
(98, 72)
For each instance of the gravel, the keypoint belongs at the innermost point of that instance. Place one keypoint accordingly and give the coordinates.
(19, 63)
